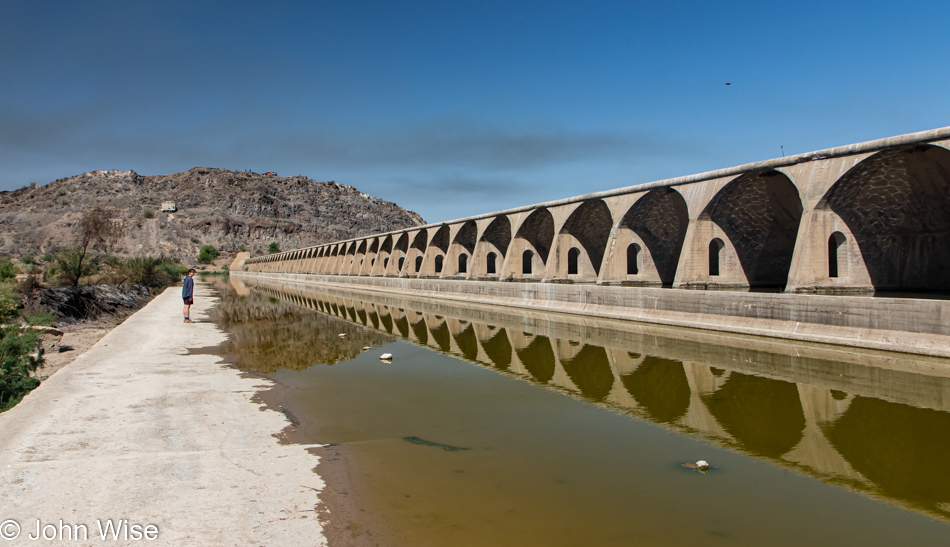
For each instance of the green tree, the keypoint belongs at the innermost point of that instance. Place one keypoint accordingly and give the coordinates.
(273, 248)
(8, 269)
(207, 254)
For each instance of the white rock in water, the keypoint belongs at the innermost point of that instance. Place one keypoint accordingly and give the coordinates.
(702, 464)
(342, 335)
(386, 357)
(366, 348)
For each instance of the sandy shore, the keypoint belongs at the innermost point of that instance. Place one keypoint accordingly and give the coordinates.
(142, 432)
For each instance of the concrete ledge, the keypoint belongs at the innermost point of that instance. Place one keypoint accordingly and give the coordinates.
(908, 325)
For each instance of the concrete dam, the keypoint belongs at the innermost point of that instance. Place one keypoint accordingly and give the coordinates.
(849, 246)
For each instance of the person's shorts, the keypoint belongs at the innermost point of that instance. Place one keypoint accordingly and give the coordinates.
(188, 300)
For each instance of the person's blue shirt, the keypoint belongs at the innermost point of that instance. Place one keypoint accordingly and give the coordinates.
(187, 287)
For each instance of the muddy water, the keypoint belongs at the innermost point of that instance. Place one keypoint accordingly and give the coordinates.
(501, 427)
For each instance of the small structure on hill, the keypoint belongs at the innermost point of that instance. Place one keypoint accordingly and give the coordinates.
(169, 207)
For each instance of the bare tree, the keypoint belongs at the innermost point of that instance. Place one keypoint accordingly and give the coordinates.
(98, 229)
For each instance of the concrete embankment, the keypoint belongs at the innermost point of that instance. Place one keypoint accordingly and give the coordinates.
(140, 431)
(908, 325)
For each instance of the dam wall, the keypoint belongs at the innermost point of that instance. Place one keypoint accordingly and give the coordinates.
(907, 325)
(849, 245)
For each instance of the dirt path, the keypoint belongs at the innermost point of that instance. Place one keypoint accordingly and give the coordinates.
(138, 431)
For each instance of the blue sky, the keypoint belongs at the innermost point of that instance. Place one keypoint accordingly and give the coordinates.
(454, 109)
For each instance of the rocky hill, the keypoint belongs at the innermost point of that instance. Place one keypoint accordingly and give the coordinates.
(217, 207)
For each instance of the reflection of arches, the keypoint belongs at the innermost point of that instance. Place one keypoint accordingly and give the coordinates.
(760, 213)
(538, 359)
(895, 204)
(660, 219)
(421, 332)
(715, 252)
(836, 248)
(633, 259)
(402, 325)
(572, 255)
(590, 223)
(764, 415)
(442, 337)
(490, 263)
(898, 448)
(538, 230)
(468, 343)
(498, 349)
(590, 371)
(526, 258)
(660, 387)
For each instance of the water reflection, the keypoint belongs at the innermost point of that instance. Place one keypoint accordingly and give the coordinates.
(270, 333)
(874, 422)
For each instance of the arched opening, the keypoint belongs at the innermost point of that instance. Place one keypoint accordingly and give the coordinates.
(895, 204)
(463, 263)
(633, 259)
(526, 259)
(438, 263)
(385, 263)
(490, 263)
(715, 248)
(835, 250)
(572, 256)
(401, 262)
(538, 231)
(760, 213)
(590, 223)
(498, 234)
(418, 263)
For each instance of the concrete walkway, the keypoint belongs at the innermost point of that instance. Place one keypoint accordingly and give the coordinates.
(137, 429)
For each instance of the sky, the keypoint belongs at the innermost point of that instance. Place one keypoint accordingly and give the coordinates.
(453, 109)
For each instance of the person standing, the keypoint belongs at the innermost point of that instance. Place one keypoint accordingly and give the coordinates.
(188, 293)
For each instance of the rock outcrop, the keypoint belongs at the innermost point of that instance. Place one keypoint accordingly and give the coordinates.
(226, 209)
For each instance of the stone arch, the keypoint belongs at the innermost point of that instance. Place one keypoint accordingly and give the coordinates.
(463, 246)
(536, 234)
(659, 219)
(416, 253)
(438, 247)
(760, 213)
(896, 205)
(491, 245)
(398, 254)
(589, 225)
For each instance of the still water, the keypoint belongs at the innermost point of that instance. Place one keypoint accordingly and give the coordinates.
(496, 426)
